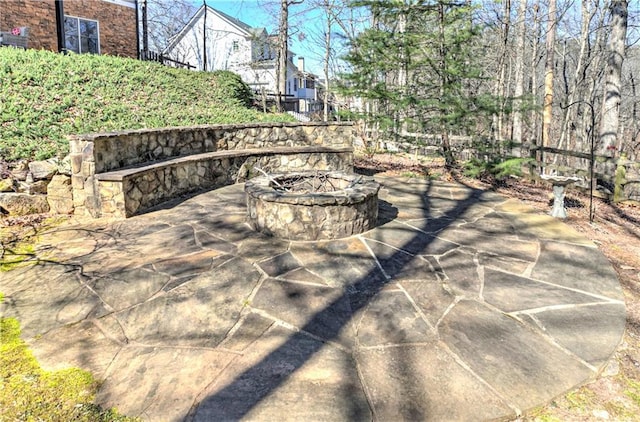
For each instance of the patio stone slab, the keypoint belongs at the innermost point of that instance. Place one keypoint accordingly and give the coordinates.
(420, 383)
(249, 329)
(338, 262)
(211, 302)
(51, 296)
(578, 267)
(303, 275)
(390, 319)
(590, 332)
(400, 265)
(185, 265)
(461, 271)
(289, 377)
(322, 311)
(524, 368)
(480, 241)
(159, 384)
(82, 345)
(431, 297)
(505, 263)
(459, 305)
(210, 241)
(409, 238)
(509, 293)
(256, 249)
(123, 289)
(280, 264)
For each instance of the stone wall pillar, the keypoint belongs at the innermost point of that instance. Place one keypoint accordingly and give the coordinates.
(83, 182)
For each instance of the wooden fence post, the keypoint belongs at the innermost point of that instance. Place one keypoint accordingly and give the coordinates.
(620, 179)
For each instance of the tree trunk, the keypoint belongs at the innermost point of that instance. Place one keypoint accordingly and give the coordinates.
(145, 30)
(449, 159)
(593, 74)
(499, 90)
(519, 63)
(547, 112)
(611, 102)
(535, 116)
(281, 68)
(327, 56)
(401, 114)
(204, 37)
(577, 83)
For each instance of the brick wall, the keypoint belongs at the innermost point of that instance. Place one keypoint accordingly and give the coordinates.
(38, 15)
(117, 23)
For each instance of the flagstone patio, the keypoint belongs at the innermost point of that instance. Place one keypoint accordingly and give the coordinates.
(460, 305)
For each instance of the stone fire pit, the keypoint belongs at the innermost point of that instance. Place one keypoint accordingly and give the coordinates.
(312, 205)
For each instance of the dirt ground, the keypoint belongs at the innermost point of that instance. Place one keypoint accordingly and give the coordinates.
(615, 229)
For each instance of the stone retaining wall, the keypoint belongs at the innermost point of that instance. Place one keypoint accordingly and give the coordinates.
(97, 159)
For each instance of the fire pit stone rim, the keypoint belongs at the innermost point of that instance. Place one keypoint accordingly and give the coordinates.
(261, 187)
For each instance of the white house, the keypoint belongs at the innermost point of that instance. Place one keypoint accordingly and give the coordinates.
(213, 40)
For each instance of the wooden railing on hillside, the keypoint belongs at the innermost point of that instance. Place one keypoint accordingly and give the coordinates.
(153, 56)
(615, 178)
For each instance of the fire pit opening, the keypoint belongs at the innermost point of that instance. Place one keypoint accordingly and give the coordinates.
(312, 205)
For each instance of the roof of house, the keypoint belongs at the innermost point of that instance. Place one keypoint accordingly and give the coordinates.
(248, 30)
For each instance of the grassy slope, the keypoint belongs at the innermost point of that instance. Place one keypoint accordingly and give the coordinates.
(46, 96)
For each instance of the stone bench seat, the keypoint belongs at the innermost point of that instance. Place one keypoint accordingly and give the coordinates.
(133, 190)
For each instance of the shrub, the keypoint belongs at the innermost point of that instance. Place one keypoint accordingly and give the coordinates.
(495, 168)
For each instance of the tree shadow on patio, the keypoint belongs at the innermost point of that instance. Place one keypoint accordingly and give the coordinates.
(248, 389)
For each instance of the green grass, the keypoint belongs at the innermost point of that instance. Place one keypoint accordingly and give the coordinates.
(18, 243)
(13, 256)
(633, 391)
(46, 96)
(29, 393)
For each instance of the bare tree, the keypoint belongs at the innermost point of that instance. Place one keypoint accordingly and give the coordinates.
(283, 50)
(501, 81)
(334, 34)
(535, 57)
(611, 102)
(328, 5)
(164, 19)
(574, 87)
(519, 76)
(547, 114)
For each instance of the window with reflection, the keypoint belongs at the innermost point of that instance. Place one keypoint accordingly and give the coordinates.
(81, 35)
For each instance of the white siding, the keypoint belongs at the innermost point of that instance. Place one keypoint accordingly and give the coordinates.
(220, 40)
(232, 47)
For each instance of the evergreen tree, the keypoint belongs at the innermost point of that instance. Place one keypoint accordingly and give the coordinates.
(414, 64)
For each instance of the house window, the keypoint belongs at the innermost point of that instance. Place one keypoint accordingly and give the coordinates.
(234, 46)
(81, 35)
